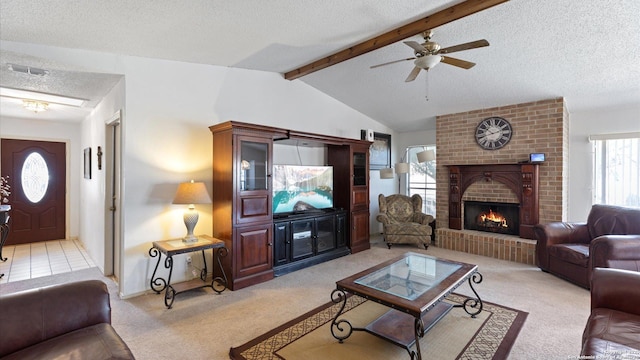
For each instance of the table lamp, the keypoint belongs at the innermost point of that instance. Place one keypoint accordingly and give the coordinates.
(191, 193)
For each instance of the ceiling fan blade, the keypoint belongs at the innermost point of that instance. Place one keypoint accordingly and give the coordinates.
(391, 62)
(413, 75)
(457, 62)
(465, 46)
(415, 46)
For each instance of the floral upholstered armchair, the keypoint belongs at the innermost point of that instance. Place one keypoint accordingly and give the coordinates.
(403, 220)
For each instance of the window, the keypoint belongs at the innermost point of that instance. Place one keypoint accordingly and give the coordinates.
(35, 177)
(616, 169)
(422, 178)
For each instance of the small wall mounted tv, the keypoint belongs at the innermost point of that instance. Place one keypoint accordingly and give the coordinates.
(300, 188)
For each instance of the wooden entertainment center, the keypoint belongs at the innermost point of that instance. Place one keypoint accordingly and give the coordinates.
(260, 246)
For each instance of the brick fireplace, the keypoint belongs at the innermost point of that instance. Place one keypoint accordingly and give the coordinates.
(540, 126)
(521, 179)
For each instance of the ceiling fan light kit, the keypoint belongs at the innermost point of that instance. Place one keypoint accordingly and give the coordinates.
(427, 55)
(428, 62)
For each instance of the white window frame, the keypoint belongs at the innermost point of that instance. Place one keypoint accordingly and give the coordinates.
(424, 186)
(616, 169)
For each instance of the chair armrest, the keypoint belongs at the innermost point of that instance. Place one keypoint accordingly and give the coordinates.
(32, 316)
(616, 289)
(562, 233)
(557, 233)
(422, 218)
(619, 251)
(383, 218)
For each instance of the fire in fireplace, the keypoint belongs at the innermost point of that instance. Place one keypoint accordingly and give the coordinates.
(492, 217)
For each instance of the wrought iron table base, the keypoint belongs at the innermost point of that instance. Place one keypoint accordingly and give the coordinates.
(341, 329)
(4, 233)
(158, 284)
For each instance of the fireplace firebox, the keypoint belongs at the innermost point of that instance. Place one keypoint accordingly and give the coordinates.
(501, 218)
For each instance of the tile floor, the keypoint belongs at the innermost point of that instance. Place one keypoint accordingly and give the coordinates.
(28, 261)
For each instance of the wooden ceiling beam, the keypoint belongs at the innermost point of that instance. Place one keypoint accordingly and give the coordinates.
(442, 17)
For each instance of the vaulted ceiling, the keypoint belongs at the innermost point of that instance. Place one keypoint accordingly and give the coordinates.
(585, 51)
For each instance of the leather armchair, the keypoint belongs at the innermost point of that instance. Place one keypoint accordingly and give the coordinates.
(66, 321)
(613, 327)
(609, 238)
(403, 220)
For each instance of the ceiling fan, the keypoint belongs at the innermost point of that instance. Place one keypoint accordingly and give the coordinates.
(427, 55)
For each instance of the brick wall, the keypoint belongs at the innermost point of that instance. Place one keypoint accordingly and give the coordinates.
(540, 126)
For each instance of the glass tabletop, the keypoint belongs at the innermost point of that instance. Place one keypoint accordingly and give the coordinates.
(409, 277)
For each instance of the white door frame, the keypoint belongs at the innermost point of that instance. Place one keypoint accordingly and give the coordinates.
(113, 198)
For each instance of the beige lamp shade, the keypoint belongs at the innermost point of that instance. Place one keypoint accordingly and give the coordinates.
(192, 193)
(386, 173)
(427, 155)
(402, 168)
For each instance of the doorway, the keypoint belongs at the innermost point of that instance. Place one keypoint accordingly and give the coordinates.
(37, 175)
(113, 216)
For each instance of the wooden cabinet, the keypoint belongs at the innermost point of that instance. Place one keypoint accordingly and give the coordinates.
(352, 189)
(242, 201)
(242, 161)
(304, 240)
(253, 255)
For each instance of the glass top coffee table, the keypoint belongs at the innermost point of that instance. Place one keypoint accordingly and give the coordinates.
(412, 286)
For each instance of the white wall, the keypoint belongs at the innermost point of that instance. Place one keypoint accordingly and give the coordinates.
(169, 107)
(581, 125)
(92, 191)
(67, 132)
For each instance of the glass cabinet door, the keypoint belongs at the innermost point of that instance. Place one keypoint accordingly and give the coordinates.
(254, 165)
(359, 169)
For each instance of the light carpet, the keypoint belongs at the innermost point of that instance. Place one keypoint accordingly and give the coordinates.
(457, 336)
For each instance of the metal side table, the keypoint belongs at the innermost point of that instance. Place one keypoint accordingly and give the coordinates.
(4, 229)
(176, 246)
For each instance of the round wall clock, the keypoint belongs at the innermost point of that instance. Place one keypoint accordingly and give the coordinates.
(493, 133)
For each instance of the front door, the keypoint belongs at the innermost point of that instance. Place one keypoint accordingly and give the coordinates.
(37, 175)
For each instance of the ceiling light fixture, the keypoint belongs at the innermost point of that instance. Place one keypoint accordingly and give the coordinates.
(35, 106)
(42, 97)
(427, 62)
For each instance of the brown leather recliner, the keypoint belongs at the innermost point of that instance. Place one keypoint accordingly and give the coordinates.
(66, 321)
(609, 238)
(613, 328)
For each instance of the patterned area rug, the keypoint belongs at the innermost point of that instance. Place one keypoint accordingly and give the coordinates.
(457, 336)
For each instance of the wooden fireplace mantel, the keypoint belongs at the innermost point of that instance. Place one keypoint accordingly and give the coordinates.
(522, 179)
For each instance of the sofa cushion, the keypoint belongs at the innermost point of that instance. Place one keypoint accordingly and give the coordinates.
(97, 342)
(611, 332)
(577, 254)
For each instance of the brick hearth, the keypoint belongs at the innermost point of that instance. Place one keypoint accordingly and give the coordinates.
(504, 247)
(540, 126)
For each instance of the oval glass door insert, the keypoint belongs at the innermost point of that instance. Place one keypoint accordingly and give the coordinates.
(35, 177)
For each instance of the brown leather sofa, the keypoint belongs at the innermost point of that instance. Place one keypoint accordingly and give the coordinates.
(66, 321)
(613, 328)
(609, 238)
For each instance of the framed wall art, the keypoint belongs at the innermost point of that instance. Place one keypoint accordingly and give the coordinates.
(87, 163)
(380, 151)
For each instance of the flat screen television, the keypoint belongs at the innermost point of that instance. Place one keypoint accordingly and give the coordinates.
(301, 188)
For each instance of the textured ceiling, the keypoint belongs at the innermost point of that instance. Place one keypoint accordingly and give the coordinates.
(585, 51)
